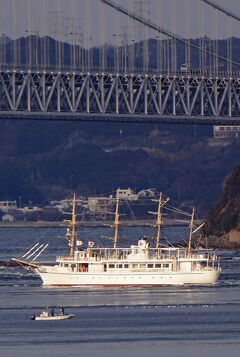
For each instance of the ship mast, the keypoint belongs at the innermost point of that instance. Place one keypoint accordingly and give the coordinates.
(191, 231)
(116, 224)
(159, 221)
(161, 203)
(73, 225)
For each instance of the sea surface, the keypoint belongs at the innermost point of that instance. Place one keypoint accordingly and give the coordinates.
(143, 322)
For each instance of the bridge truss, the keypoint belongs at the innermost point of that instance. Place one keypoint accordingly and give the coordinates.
(120, 97)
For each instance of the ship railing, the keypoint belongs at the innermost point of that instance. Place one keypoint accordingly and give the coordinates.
(108, 254)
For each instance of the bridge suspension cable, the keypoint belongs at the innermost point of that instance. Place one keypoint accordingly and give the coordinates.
(220, 8)
(162, 30)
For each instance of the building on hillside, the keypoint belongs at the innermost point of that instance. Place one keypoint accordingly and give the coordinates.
(66, 204)
(6, 206)
(101, 207)
(8, 218)
(226, 132)
(147, 193)
(126, 194)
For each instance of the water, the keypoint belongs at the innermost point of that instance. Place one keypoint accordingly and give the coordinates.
(160, 321)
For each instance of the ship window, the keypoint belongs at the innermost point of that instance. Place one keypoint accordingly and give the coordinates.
(119, 266)
(150, 265)
(142, 265)
(165, 265)
(111, 266)
(134, 265)
(158, 265)
(125, 266)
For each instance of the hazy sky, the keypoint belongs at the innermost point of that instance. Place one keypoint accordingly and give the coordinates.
(66, 19)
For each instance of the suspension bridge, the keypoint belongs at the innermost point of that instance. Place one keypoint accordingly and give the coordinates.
(145, 61)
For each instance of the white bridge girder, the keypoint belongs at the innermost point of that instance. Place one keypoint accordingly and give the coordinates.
(121, 97)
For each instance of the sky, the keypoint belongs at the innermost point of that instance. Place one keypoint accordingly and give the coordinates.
(92, 23)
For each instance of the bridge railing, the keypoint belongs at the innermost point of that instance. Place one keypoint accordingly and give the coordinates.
(112, 71)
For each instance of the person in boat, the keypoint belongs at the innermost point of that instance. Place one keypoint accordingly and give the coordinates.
(62, 311)
(52, 311)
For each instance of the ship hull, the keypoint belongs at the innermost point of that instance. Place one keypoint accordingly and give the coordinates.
(141, 279)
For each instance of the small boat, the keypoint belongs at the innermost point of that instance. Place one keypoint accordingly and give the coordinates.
(50, 316)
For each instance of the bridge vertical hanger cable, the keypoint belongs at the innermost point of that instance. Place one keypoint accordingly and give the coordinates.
(139, 27)
(174, 38)
(229, 46)
(130, 41)
(18, 46)
(102, 37)
(199, 35)
(189, 33)
(171, 51)
(70, 31)
(216, 42)
(58, 54)
(60, 36)
(115, 42)
(202, 44)
(29, 36)
(47, 33)
(127, 47)
(2, 36)
(209, 49)
(44, 36)
(86, 34)
(214, 63)
(90, 36)
(81, 25)
(163, 41)
(81, 40)
(146, 40)
(157, 38)
(48, 29)
(15, 35)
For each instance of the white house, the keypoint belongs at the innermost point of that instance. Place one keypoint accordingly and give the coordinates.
(126, 194)
(7, 218)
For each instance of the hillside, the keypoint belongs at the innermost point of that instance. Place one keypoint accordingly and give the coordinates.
(223, 220)
(41, 161)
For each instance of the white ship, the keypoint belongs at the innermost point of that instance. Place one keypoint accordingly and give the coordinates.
(139, 265)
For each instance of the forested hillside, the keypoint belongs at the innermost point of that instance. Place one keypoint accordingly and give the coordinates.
(41, 161)
(225, 214)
